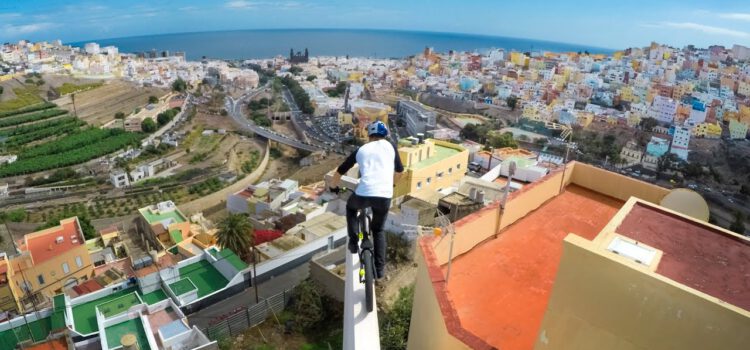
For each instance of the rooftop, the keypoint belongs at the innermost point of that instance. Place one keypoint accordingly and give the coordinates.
(84, 315)
(119, 305)
(43, 245)
(153, 214)
(204, 276)
(230, 256)
(135, 326)
(182, 286)
(524, 257)
(441, 153)
(697, 256)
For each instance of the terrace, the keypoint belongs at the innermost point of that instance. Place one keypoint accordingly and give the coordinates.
(117, 306)
(84, 315)
(204, 276)
(134, 326)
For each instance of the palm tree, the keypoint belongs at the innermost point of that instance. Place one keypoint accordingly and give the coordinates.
(236, 233)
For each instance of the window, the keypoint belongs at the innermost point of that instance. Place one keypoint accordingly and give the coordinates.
(419, 184)
(40, 278)
(79, 261)
(66, 268)
(450, 170)
(458, 166)
(429, 179)
(440, 174)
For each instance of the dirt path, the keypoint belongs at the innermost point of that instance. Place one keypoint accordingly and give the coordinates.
(403, 276)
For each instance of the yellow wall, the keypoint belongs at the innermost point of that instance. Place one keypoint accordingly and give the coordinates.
(427, 329)
(52, 271)
(602, 301)
(616, 185)
(8, 300)
(412, 176)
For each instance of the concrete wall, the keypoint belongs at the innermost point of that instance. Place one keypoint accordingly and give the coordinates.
(616, 185)
(427, 329)
(331, 282)
(224, 266)
(606, 302)
(149, 283)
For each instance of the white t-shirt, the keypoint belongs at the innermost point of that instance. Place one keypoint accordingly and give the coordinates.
(377, 162)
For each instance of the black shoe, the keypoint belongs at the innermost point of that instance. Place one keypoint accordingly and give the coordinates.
(353, 247)
(380, 275)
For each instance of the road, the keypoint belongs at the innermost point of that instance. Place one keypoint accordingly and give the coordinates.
(235, 110)
(285, 281)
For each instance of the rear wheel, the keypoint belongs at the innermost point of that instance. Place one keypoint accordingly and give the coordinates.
(369, 275)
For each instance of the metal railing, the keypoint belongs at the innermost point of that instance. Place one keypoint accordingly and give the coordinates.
(251, 316)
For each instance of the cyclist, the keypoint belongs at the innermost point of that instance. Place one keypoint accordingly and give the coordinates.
(379, 168)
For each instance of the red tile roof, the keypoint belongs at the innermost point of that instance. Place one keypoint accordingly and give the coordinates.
(87, 287)
(695, 255)
(43, 244)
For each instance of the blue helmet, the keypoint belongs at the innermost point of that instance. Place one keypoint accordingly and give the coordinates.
(377, 128)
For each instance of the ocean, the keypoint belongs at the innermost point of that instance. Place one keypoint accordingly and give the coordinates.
(248, 44)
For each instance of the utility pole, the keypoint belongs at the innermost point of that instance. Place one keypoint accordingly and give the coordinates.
(501, 208)
(255, 274)
(73, 97)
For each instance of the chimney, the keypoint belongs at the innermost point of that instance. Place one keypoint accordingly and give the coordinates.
(480, 197)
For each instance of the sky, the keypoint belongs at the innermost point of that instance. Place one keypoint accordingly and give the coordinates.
(607, 24)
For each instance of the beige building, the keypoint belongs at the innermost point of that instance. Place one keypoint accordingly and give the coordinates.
(631, 154)
(49, 261)
(583, 259)
(430, 164)
(8, 292)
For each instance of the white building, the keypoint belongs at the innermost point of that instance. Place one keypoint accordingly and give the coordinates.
(680, 142)
(91, 48)
(663, 109)
(119, 178)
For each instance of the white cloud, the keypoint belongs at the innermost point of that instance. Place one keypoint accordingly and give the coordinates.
(22, 29)
(736, 15)
(188, 8)
(706, 29)
(240, 4)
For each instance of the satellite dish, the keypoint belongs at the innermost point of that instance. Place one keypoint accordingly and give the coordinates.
(687, 202)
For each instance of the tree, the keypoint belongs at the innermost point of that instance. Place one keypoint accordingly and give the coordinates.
(119, 115)
(311, 77)
(295, 70)
(474, 132)
(739, 223)
(308, 306)
(148, 125)
(179, 85)
(394, 326)
(153, 99)
(504, 140)
(512, 102)
(236, 233)
(648, 123)
(163, 119)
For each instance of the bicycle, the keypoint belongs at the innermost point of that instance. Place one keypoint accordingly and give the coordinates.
(366, 253)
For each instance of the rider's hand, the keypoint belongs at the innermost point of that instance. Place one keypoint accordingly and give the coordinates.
(335, 190)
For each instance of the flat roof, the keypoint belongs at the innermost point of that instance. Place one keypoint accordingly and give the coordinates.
(230, 256)
(154, 297)
(204, 276)
(695, 255)
(37, 331)
(135, 326)
(84, 314)
(182, 286)
(441, 153)
(522, 263)
(44, 246)
(119, 305)
(153, 217)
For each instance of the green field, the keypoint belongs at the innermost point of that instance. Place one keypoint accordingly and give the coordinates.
(68, 88)
(24, 97)
(182, 286)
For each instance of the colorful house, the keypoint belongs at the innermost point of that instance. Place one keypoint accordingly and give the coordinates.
(430, 164)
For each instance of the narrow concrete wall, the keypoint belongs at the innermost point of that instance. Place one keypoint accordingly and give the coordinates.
(616, 185)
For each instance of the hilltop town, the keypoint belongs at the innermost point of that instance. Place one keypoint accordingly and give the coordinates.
(122, 174)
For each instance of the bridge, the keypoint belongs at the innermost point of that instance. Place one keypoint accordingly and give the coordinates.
(234, 107)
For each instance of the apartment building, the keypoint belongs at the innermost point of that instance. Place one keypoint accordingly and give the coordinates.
(430, 164)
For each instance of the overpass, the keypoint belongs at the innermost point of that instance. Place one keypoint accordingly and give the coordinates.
(234, 107)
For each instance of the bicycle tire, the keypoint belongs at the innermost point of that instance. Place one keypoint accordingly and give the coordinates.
(369, 271)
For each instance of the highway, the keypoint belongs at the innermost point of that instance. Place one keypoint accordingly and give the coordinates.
(235, 110)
